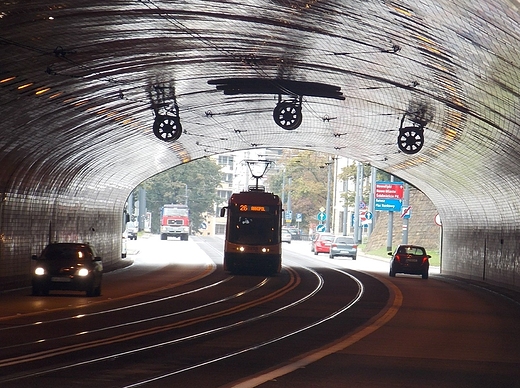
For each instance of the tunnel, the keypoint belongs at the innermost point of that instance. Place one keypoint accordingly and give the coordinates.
(98, 96)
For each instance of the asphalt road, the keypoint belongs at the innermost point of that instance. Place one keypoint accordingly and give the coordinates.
(445, 333)
(175, 318)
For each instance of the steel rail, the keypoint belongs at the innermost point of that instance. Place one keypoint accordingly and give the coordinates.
(154, 330)
(268, 342)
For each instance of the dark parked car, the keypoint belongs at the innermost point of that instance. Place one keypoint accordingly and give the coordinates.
(296, 234)
(67, 266)
(343, 246)
(321, 243)
(410, 259)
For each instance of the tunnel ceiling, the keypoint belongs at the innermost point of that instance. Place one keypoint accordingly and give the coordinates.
(83, 83)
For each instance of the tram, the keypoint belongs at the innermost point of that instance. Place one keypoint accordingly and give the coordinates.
(253, 232)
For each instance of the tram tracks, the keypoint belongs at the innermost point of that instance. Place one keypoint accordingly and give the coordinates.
(294, 281)
(237, 320)
(270, 341)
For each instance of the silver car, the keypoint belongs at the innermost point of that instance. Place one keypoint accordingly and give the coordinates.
(343, 246)
(286, 235)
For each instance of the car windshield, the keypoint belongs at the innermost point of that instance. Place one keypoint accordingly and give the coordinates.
(409, 250)
(66, 252)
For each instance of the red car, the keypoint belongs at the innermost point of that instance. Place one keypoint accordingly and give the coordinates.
(321, 243)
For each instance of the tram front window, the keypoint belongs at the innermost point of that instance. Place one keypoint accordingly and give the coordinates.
(254, 230)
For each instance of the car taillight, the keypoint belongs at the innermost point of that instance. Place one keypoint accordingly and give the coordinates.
(398, 258)
(354, 246)
(424, 259)
(334, 245)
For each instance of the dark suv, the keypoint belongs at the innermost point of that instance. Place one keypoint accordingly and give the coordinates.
(296, 234)
(67, 266)
(409, 259)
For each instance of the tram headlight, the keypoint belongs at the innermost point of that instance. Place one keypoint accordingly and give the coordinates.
(264, 250)
(241, 249)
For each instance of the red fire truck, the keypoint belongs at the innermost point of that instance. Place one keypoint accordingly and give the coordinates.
(175, 221)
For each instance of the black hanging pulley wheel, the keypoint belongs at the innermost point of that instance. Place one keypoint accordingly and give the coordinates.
(288, 114)
(410, 139)
(167, 128)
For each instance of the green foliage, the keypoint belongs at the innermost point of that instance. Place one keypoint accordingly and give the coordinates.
(306, 179)
(304, 175)
(350, 173)
(199, 178)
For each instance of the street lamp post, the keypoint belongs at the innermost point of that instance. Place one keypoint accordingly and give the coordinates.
(390, 230)
(283, 188)
(358, 228)
(345, 207)
(372, 208)
(289, 202)
(327, 206)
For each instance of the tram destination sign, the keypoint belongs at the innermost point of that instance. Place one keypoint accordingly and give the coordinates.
(253, 208)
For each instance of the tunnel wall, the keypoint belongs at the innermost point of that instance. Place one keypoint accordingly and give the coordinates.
(31, 222)
(483, 254)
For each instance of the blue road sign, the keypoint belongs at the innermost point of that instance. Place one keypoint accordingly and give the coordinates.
(368, 215)
(320, 228)
(299, 217)
(388, 204)
(322, 216)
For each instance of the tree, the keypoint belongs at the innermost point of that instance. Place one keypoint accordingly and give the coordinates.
(350, 173)
(198, 179)
(305, 177)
